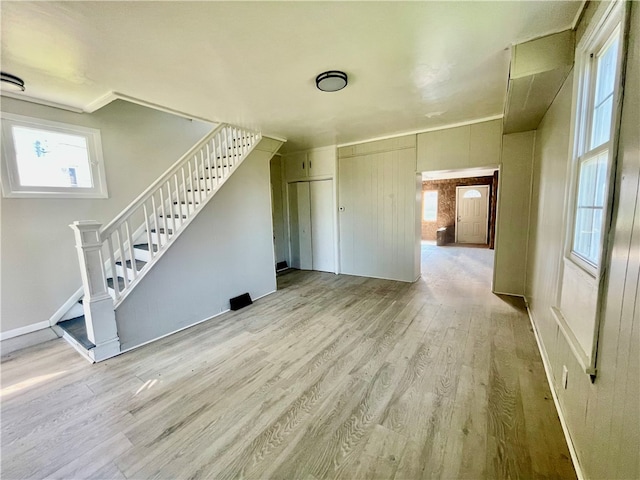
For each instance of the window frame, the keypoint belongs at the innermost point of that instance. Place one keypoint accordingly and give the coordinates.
(594, 42)
(10, 180)
(424, 204)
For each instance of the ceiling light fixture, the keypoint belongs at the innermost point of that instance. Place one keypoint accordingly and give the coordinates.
(331, 81)
(11, 82)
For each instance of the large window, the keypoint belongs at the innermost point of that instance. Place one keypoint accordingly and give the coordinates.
(598, 77)
(430, 205)
(51, 159)
(597, 93)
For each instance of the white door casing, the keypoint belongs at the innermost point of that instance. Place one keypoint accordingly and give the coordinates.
(472, 214)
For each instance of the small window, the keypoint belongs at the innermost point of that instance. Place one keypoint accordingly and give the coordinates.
(51, 159)
(430, 206)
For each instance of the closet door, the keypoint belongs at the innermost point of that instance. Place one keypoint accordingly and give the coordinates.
(322, 225)
(300, 223)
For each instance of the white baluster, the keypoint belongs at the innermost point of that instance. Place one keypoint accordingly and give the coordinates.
(148, 227)
(202, 188)
(114, 271)
(132, 254)
(185, 194)
(210, 170)
(164, 215)
(171, 211)
(123, 259)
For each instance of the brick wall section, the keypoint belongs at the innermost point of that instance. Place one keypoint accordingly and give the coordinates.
(447, 205)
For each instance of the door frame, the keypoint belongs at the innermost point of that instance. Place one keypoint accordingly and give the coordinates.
(488, 198)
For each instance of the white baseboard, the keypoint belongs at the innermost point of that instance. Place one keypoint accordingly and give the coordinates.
(556, 401)
(10, 345)
(510, 294)
(16, 332)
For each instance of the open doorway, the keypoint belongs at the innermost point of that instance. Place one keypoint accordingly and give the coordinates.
(452, 219)
(458, 225)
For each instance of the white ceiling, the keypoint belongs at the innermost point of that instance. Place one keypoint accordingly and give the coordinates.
(411, 65)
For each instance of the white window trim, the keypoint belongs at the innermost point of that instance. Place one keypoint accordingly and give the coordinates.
(594, 39)
(590, 278)
(11, 187)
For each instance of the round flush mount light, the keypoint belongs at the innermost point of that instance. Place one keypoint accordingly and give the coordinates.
(331, 81)
(11, 82)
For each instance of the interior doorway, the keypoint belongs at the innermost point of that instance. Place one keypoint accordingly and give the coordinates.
(440, 207)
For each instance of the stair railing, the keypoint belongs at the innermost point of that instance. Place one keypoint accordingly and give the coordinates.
(159, 214)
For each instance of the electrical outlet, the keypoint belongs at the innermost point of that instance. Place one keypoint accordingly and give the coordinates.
(565, 376)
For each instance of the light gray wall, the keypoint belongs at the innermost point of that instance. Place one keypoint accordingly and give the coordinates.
(513, 213)
(603, 417)
(39, 267)
(227, 250)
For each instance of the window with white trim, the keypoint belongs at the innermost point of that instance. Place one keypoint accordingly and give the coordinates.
(598, 78)
(42, 158)
(430, 205)
(597, 93)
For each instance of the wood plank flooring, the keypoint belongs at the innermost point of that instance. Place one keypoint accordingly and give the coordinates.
(330, 377)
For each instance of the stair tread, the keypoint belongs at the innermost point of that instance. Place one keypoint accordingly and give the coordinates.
(145, 247)
(120, 283)
(162, 231)
(77, 329)
(175, 215)
(139, 264)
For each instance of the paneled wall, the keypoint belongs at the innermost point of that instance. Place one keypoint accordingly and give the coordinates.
(379, 209)
(603, 417)
(469, 146)
(513, 213)
(446, 189)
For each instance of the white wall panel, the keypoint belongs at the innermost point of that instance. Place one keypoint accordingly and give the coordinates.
(513, 213)
(469, 146)
(322, 225)
(377, 199)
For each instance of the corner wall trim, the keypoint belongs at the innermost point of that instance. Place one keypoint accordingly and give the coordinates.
(16, 332)
(556, 401)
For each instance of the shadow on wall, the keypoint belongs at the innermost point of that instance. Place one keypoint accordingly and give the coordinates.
(446, 216)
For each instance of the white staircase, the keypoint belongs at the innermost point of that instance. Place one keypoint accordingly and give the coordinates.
(116, 257)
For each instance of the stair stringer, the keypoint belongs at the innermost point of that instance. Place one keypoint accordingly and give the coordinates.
(184, 225)
(193, 281)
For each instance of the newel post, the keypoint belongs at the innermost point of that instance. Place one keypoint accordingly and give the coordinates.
(98, 304)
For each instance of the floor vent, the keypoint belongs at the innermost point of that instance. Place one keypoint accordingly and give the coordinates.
(240, 301)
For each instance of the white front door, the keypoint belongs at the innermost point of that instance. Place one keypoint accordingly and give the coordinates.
(472, 205)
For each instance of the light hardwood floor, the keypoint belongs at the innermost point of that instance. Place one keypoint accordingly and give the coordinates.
(330, 377)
